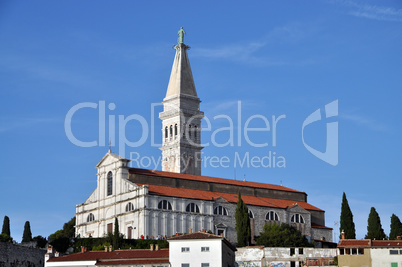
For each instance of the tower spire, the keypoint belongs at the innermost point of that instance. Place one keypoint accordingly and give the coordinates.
(181, 78)
(181, 117)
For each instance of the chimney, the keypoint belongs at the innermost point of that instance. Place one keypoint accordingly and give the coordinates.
(221, 234)
(204, 231)
(110, 248)
(57, 254)
(190, 231)
(343, 234)
(106, 248)
(83, 249)
(177, 234)
(152, 247)
(50, 249)
(398, 237)
(157, 247)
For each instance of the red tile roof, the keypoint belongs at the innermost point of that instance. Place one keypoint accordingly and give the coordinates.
(133, 262)
(343, 243)
(232, 198)
(134, 254)
(197, 235)
(386, 243)
(210, 179)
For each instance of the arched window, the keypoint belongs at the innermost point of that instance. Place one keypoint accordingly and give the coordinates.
(90, 218)
(193, 208)
(166, 132)
(129, 207)
(297, 218)
(250, 214)
(189, 131)
(171, 131)
(195, 132)
(109, 183)
(272, 216)
(175, 130)
(164, 205)
(220, 211)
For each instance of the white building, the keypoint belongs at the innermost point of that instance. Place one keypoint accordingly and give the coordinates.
(151, 204)
(370, 253)
(200, 250)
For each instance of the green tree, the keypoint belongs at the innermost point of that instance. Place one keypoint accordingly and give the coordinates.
(6, 226)
(5, 238)
(116, 234)
(62, 239)
(69, 228)
(396, 227)
(284, 235)
(40, 241)
(242, 223)
(374, 228)
(346, 224)
(27, 235)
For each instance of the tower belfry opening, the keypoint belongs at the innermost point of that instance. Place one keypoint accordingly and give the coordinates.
(181, 117)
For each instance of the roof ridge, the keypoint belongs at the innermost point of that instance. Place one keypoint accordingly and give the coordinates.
(216, 179)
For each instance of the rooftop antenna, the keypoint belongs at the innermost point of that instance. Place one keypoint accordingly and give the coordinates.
(281, 183)
(110, 145)
(234, 173)
(244, 178)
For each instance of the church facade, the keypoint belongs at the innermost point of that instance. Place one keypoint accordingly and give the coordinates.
(152, 204)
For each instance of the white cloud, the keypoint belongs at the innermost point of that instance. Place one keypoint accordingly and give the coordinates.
(250, 52)
(372, 11)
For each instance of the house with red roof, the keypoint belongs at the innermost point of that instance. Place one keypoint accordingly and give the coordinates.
(109, 257)
(370, 253)
(158, 204)
(201, 249)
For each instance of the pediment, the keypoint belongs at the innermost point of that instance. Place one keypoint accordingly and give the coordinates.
(221, 225)
(221, 200)
(110, 158)
(297, 208)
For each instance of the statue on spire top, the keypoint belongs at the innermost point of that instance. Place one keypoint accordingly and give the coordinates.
(181, 34)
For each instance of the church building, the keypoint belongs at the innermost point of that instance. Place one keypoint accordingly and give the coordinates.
(154, 204)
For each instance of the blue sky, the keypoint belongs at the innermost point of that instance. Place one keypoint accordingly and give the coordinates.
(276, 57)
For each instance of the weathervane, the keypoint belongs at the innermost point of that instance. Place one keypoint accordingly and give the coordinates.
(181, 34)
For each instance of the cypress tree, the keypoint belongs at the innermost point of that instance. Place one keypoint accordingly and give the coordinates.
(6, 226)
(242, 223)
(396, 227)
(374, 228)
(116, 234)
(346, 224)
(27, 235)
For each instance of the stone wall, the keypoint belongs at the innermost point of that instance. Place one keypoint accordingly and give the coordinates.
(15, 256)
(285, 257)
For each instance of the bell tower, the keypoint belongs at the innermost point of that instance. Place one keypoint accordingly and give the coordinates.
(181, 117)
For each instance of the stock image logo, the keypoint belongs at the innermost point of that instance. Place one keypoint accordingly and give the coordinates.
(237, 134)
(330, 155)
